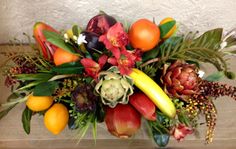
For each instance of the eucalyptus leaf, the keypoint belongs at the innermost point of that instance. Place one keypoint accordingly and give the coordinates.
(69, 68)
(45, 88)
(160, 134)
(58, 41)
(161, 139)
(5, 111)
(215, 76)
(71, 124)
(26, 118)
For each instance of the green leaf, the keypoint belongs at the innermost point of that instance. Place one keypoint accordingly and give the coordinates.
(26, 117)
(30, 85)
(215, 76)
(13, 102)
(88, 80)
(231, 52)
(75, 30)
(5, 111)
(14, 96)
(171, 46)
(69, 68)
(165, 28)
(58, 41)
(94, 130)
(150, 55)
(160, 133)
(183, 118)
(169, 49)
(34, 77)
(230, 75)
(231, 40)
(210, 39)
(45, 88)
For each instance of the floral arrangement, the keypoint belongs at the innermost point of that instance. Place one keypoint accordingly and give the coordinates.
(119, 74)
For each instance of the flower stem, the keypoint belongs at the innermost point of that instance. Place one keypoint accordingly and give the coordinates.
(150, 61)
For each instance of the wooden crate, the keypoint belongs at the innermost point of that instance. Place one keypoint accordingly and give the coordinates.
(12, 134)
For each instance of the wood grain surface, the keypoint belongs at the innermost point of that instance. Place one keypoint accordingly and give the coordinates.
(12, 134)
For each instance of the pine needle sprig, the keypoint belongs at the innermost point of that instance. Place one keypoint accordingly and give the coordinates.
(150, 70)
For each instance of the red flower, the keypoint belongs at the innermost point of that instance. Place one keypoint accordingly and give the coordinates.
(91, 67)
(115, 39)
(126, 61)
(181, 131)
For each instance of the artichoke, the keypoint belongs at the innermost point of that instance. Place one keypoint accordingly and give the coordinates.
(114, 88)
(84, 98)
(180, 79)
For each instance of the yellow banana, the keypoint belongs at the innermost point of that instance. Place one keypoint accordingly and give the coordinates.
(154, 92)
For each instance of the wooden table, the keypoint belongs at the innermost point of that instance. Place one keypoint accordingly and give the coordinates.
(12, 134)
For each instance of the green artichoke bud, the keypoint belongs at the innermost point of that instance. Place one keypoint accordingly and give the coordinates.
(114, 88)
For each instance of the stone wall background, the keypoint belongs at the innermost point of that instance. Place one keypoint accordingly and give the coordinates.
(18, 16)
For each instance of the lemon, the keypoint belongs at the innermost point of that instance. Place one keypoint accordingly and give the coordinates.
(39, 103)
(56, 118)
(167, 27)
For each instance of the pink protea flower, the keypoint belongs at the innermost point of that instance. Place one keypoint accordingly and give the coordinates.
(180, 131)
(91, 67)
(180, 79)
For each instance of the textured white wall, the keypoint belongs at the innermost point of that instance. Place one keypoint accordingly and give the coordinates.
(17, 16)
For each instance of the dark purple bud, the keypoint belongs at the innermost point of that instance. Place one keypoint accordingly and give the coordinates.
(92, 41)
(85, 100)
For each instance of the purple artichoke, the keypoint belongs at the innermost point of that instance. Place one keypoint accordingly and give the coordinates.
(84, 98)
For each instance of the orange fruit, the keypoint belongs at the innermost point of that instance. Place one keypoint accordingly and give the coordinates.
(39, 103)
(56, 118)
(144, 34)
(62, 56)
(172, 30)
